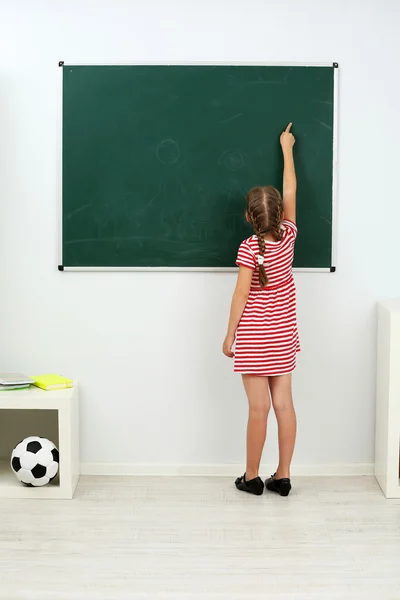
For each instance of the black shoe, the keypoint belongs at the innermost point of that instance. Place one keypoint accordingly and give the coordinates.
(280, 486)
(254, 486)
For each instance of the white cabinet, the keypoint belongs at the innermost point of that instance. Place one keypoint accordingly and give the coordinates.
(54, 415)
(387, 433)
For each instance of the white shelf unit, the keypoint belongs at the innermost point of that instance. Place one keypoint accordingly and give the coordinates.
(387, 432)
(52, 414)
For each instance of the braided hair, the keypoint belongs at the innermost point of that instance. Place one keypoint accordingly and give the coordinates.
(264, 210)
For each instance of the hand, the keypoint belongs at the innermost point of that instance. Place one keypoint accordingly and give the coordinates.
(227, 347)
(287, 138)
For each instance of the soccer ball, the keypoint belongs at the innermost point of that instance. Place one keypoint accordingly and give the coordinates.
(35, 461)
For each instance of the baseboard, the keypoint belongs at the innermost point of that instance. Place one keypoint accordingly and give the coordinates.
(227, 470)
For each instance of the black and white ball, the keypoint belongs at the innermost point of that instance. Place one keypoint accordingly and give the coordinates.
(35, 461)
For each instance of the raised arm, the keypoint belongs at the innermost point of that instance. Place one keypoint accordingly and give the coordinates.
(289, 175)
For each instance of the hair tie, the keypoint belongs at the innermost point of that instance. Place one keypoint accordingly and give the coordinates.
(260, 259)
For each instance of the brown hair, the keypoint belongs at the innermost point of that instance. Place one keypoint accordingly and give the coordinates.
(264, 210)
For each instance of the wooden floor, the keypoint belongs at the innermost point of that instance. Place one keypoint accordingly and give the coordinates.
(193, 538)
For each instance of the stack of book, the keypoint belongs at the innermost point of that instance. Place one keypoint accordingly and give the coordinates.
(52, 382)
(14, 381)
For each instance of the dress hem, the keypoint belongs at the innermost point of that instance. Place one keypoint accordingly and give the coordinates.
(264, 374)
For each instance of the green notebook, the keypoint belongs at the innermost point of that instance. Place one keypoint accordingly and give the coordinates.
(13, 388)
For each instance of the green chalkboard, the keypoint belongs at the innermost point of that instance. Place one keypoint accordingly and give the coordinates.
(157, 161)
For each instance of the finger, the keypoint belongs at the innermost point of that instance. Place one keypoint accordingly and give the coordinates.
(288, 128)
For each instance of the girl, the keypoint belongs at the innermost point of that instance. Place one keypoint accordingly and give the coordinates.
(263, 321)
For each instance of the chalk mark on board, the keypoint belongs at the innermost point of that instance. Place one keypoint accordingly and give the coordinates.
(144, 208)
(76, 211)
(236, 189)
(323, 124)
(168, 152)
(326, 220)
(327, 102)
(150, 202)
(233, 118)
(231, 159)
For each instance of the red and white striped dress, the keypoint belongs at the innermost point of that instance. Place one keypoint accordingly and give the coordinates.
(267, 339)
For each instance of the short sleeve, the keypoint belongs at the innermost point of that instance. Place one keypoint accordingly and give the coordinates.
(290, 227)
(245, 257)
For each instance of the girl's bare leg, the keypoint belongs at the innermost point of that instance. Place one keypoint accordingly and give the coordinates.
(259, 405)
(282, 401)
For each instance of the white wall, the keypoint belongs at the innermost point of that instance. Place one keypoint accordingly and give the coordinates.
(146, 347)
